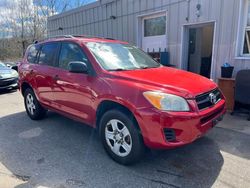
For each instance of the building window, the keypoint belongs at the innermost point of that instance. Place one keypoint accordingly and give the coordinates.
(155, 26)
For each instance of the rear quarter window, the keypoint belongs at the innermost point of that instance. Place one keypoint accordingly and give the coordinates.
(32, 54)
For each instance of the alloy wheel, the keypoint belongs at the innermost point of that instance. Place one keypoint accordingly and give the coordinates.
(30, 104)
(118, 137)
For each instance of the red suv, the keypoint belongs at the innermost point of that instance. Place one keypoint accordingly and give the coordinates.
(118, 89)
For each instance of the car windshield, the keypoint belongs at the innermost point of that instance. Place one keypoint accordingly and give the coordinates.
(118, 57)
(2, 65)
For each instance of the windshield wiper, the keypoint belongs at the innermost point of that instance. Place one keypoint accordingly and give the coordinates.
(118, 69)
(146, 67)
(135, 68)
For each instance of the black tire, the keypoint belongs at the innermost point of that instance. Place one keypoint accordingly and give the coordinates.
(39, 112)
(137, 144)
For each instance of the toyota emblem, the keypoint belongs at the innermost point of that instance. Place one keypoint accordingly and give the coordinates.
(212, 98)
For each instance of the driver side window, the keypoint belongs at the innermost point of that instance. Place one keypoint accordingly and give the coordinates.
(70, 52)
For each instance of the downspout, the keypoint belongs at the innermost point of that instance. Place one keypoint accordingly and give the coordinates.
(188, 10)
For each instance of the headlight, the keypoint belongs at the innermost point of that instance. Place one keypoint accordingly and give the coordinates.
(14, 73)
(166, 102)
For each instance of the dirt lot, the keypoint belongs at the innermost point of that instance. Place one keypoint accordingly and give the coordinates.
(59, 152)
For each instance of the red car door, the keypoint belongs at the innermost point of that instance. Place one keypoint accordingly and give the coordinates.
(73, 92)
(44, 71)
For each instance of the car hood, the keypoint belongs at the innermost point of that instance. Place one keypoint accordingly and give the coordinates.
(7, 73)
(183, 83)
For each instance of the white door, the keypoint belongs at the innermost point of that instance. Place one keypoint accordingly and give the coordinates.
(154, 33)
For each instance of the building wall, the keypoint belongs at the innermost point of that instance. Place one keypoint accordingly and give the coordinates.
(94, 19)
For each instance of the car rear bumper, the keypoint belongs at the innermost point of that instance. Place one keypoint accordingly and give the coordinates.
(162, 130)
(8, 83)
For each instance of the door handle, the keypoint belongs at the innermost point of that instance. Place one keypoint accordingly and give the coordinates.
(56, 77)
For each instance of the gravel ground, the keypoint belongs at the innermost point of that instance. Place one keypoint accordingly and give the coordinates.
(60, 153)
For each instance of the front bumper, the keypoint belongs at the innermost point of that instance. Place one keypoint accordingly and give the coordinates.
(187, 126)
(8, 83)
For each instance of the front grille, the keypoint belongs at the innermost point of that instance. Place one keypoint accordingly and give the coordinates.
(170, 135)
(7, 82)
(204, 100)
(212, 116)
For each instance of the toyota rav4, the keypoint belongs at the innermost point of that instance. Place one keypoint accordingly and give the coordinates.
(131, 100)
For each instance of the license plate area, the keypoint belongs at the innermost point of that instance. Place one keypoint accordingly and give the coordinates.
(217, 120)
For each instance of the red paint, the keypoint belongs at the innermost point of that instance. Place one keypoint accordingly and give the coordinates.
(78, 96)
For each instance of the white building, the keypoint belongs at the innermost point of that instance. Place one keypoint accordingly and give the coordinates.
(200, 35)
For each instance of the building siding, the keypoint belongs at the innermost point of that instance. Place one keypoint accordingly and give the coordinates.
(94, 19)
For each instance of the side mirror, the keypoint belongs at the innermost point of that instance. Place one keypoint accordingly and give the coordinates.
(78, 67)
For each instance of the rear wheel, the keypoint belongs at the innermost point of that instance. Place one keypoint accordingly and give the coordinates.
(33, 108)
(120, 137)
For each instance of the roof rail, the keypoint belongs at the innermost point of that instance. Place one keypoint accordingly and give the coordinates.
(91, 36)
(86, 36)
(61, 36)
(54, 37)
(109, 38)
(73, 36)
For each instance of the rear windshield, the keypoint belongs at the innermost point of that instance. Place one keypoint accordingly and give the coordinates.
(114, 56)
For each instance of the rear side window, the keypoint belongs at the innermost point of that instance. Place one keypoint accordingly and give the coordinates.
(32, 54)
(70, 52)
(48, 54)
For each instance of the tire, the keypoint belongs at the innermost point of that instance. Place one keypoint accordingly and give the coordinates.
(126, 148)
(33, 108)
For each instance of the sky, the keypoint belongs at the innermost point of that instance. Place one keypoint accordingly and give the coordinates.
(7, 5)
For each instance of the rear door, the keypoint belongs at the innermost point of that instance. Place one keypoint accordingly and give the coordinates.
(45, 71)
(28, 67)
(73, 92)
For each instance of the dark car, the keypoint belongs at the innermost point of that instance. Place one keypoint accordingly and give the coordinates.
(8, 77)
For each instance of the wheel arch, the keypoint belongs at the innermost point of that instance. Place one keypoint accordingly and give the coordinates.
(107, 105)
(25, 86)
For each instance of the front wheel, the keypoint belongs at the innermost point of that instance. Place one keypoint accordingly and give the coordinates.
(120, 137)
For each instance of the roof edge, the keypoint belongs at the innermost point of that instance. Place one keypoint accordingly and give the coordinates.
(75, 10)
